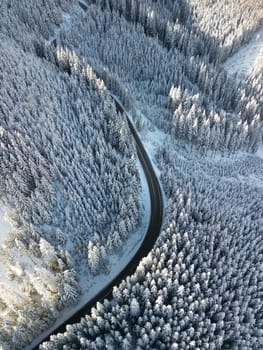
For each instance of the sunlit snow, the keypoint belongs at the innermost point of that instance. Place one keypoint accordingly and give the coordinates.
(4, 226)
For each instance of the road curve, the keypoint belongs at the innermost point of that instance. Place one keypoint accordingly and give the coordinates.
(151, 236)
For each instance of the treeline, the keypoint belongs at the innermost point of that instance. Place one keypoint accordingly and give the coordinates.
(231, 23)
(179, 85)
(201, 285)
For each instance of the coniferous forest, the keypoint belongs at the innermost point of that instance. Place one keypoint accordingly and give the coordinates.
(70, 187)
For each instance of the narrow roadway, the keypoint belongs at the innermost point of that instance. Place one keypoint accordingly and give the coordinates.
(151, 236)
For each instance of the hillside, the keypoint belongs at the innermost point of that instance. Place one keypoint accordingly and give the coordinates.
(71, 185)
(66, 159)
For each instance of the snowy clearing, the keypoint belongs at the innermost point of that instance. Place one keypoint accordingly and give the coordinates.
(66, 23)
(243, 61)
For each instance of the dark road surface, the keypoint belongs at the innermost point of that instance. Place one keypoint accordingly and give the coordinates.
(151, 236)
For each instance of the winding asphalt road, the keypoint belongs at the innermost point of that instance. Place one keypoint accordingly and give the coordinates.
(152, 234)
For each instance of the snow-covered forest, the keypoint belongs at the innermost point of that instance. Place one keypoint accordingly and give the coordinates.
(201, 286)
(70, 186)
(180, 78)
(69, 183)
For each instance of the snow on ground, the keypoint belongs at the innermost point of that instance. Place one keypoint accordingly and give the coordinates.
(260, 151)
(9, 290)
(244, 59)
(4, 226)
(84, 2)
(67, 19)
(251, 179)
(152, 138)
(91, 285)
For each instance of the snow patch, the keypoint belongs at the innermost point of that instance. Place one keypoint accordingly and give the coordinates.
(66, 24)
(260, 151)
(4, 226)
(243, 61)
(152, 138)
